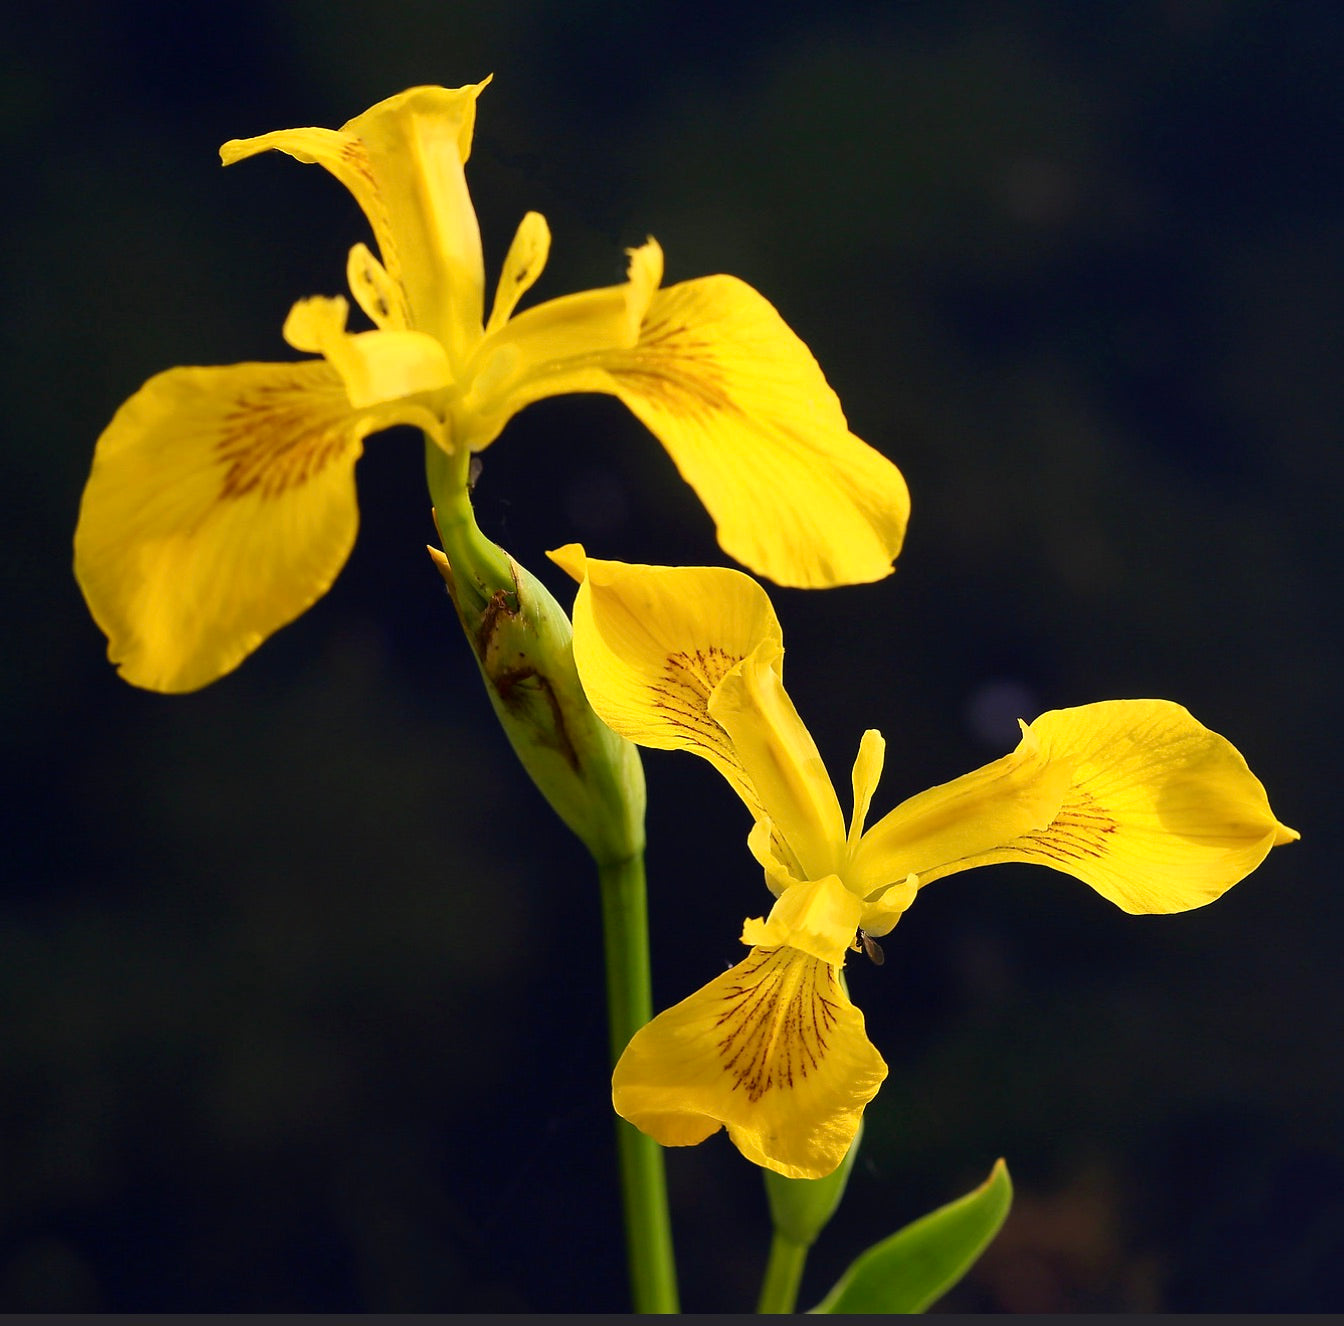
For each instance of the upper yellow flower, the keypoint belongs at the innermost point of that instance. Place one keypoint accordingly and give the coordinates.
(222, 501)
(1133, 797)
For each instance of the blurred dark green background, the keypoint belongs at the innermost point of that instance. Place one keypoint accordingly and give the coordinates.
(300, 996)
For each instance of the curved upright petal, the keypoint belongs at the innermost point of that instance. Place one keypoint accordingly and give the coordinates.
(651, 643)
(1160, 815)
(403, 161)
(523, 263)
(752, 425)
(864, 778)
(556, 347)
(221, 504)
(772, 1049)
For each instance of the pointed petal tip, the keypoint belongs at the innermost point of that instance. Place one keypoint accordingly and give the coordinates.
(572, 560)
(441, 564)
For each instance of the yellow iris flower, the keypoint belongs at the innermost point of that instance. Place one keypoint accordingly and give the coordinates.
(221, 502)
(1133, 797)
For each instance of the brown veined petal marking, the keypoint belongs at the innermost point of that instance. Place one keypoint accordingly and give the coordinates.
(220, 506)
(682, 698)
(653, 643)
(747, 416)
(776, 1025)
(273, 440)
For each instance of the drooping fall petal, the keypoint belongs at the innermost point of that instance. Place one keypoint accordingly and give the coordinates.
(752, 425)
(220, 506)
(1160, 815)
(745, 413)
(772, 1049)
(652, 642)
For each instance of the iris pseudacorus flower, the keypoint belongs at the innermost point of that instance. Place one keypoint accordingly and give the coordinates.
(1133, 797)
(221, 502)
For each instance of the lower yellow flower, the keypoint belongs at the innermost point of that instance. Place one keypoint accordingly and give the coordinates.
(1133, 797)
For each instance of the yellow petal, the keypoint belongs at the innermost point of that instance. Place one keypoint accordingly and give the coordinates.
(867, 772)
(750, 422)
(768, 846)
(403, 161)
(524, 262)
(652, 642)
(817, 917)
(381, 298)
(884, 909)
(772, 1049)
(1162, 814)
(377, 366)
(929, 833)
(220, 506)
(557, 347)
(741, 406)
(781, 760)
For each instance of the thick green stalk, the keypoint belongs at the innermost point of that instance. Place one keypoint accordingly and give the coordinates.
(594, 781)
(648, 1228)
(783, 1275)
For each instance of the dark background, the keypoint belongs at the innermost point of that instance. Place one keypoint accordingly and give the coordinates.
(300, 990)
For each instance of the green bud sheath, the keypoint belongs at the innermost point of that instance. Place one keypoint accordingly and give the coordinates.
(521, 637)
(801, 1208)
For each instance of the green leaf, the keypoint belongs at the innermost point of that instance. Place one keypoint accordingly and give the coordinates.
(917, 1265)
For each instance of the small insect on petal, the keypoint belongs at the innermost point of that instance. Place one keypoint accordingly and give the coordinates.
(872, 949)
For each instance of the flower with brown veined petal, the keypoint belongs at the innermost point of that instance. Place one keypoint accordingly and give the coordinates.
(1133, 797)
(221, 503)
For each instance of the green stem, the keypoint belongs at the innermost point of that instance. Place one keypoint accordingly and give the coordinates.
(476, 560)
(648, 1228)
(783, 1275)
(594, 782)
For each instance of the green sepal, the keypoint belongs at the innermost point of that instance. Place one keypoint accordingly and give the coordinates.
(522, 639)
(917, 1265)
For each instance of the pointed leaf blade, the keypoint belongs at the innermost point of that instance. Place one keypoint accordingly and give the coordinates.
(917, 1265)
